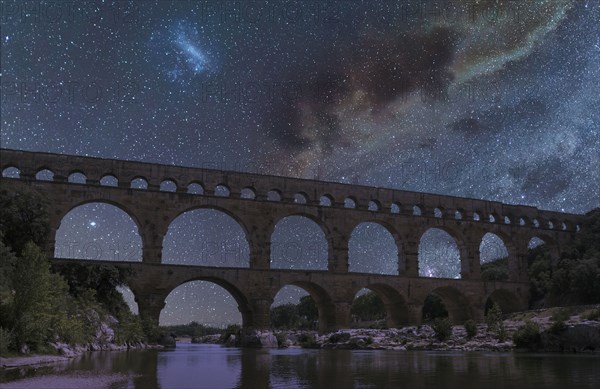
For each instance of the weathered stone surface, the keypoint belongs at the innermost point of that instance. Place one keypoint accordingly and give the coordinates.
(255, 287)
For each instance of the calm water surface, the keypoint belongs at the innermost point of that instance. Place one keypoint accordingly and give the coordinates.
(214, 366)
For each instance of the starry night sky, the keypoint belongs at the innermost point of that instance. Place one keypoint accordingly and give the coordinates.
(483, 99)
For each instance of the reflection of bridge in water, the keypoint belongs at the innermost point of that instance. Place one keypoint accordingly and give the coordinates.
(258, 202)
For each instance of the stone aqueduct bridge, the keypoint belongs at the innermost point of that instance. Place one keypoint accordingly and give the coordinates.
(254, 287)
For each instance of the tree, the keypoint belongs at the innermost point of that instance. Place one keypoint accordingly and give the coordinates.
(368, 307)
(285, 316)
(23, 218)
(434, 308)
(307, 308)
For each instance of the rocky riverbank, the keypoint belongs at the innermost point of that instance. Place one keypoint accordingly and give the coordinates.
(575, 333)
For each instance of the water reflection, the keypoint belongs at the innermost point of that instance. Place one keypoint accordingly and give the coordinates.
(213, 366)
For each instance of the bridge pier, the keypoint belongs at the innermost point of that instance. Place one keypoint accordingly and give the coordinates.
(149, 306)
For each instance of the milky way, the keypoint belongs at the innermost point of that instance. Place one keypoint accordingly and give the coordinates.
(490, 100)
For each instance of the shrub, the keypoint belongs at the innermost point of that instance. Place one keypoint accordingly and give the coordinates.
(561, 315)
(593, 314)
(471, 328)
(494, 319)
(442, 328)
(528, 336)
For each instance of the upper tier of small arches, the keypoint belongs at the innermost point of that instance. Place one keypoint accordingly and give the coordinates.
(222, 187)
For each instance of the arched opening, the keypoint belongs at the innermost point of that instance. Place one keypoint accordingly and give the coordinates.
(248, 193)
(77, 178)
(274, 195)
(44, 175)
(394, 208)
(11, 172)
(506, 220)
(433, 308)
(453, 302)
(458, 214)
(212, 303)
(476, 216)
(493, 256)
(521, 221)
(550, 225)
(507, 301)
(98, 231)
(439, 256)
(326, 201)
(535, 242)
(139, 183)
(378, 306)
(372, 249)
(195, 188)
(536, 223)
(129, 298)
(349, 202)
(222, 190)
(417, 210)
(298, 242)
(300, 198)
(206, 237)
(294, 306)
(109, 180)
(168, 186)
(437, 212)
(374, 206)
(492, 218)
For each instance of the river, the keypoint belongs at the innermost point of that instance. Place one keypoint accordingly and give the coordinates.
(215, 366)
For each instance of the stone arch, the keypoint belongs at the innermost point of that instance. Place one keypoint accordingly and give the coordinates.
(311, 239)
(506, 300)
(440, 253)
(301, 198)
(243, 305)
(326, 200)
(493, 257)
(374, 206)
(109, 180)
(274, 195)
(195, 187)
(138, 182)
(385, 239)
(458, 306)
(85, 247)
(350, 202)
(222, 190)
(395, 208)
(397, 313)
(210, 245)
(324, 302)
(417, 210)
(77, 177)
(248, 193)
(168, 185)
(44, 174)
(11, 171)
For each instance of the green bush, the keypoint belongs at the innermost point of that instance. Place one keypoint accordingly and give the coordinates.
(471, 328)
(493, 318)
(593, 314)
(442, 328)
(528, 336)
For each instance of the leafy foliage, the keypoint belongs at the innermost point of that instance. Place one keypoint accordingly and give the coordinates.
(368, 307)
(442, 328)
(23, 218)
(471, 328)
(528, 336)
(434, 308)
(495, 271)
(576, 276)
(295, 316)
